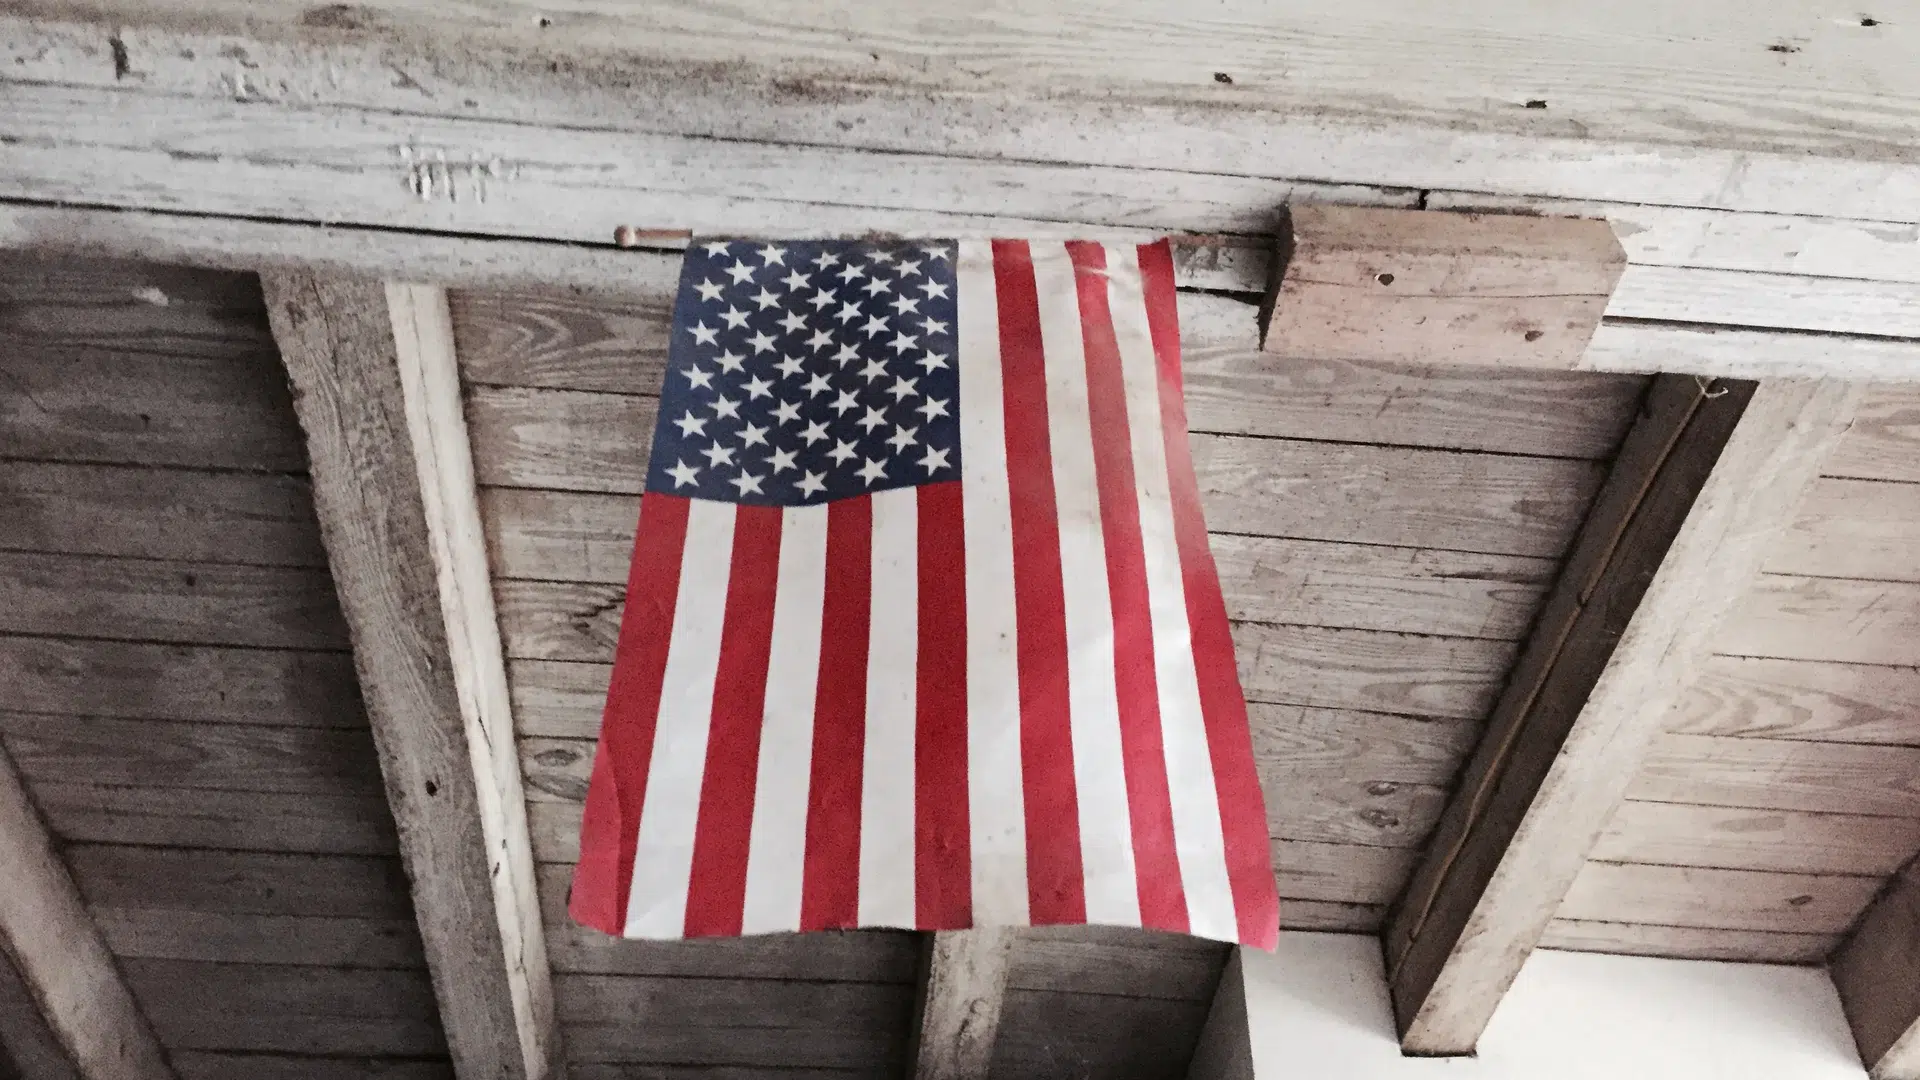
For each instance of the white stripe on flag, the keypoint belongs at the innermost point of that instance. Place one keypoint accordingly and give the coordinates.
(663, 862)
(1099, 766)
(1196, 810)
(996, 807)
(887, 863)
(776, 854)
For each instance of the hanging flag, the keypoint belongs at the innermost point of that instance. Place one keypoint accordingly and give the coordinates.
(922, 629)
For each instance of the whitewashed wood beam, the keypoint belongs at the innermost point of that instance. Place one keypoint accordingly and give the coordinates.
(1877, 971)
(513, 262)
(1704, 482)
(963, 991)
(1779, 111)
(378, 396)
(58, 951)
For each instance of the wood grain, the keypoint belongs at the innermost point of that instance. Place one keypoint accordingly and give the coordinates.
(1676, 834)
(225, 937)
(1064, 1034)
(1330, 916)
(1885, 441)
(1116, 960)
(201, 683)
(219, 1065)
(154, 816)
(1341, 873)
(558, 698)
(289, 1009)
(1791, 699)
(152, 513)
(1780, 774)
(1854, 529)
(742, 1022)
(1688, 942)
(188, 603)
(240, 883)
(959, 1002)
(576, 441)
(1414, 286)
(121, 305)
(168, 754)
(1717, 899)
(565, 341)
(89, 405)
(1838, 619)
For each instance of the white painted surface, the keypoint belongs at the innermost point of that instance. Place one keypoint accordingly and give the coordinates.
(1317, 1010)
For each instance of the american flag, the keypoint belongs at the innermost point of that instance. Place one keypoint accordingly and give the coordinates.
(922, 629)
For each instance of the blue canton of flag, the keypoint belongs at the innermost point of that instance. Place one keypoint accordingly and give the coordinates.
(801, 373)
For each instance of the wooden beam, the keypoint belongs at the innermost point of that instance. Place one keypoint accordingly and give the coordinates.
(1225, 1050)
(1705, 480)
(378, 396)
(1421, 286)
(61, 958)
(1877, 971)
(963, 990)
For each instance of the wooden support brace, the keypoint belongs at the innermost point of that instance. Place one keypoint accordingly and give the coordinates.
(1424, 286)
(1225, 1050)
(1877, 971)
(378, 396)
(963, 989)
(1710, 473)
(62, 960)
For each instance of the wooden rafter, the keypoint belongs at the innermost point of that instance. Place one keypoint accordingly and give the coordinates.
(378, 397)
(1877, 971)
(1704, 481)
(963, 990)
(58, 951)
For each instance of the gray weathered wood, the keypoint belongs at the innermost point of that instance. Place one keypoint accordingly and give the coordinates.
(321, 824)
(58, 951)
(1679, 834)
(1822, 618)
(849, 1025)
(338, 339)
(963, 991)
(225, 937)
(227, 1065)
(1792, 699)
(239, 882)
(201, 683)
(1884, 443)
(1703, 483)
(1419, 286)
(29, 1050)
(1854, 529)
(1712, 898)
(289, 1008)
(1781, 774)
(1688, 942)
(1226, 1043)
(1879, 984)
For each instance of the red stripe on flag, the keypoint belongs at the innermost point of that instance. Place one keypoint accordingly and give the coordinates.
(830, 883)
(943, 872)
(617, 791)
(1163, 901)
(1243, 816)
(717, 885)
(1056, 882)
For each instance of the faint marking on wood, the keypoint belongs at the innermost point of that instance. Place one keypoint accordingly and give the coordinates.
(1702, 485)
(1781, 774)
(963, 990)
(1793, 699)
(1688, 942)
(1710, 898)
(1422, 286)
(1677, 834)
(1822, 618)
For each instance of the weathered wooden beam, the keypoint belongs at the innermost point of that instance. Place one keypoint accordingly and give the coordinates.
(1706, 478)
(963, 990)
(1877, 971)
(1225, 1050)
(60, 956)
(1422, 286)
(378, 396)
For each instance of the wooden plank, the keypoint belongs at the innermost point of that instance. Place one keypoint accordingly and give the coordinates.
(1884, 443)
(1330, 916)
(58, 952)
(149, 513)
(1792, 699)
(1701, 485)
(1717, 899)
(201, 683)
(1117, 960)
(131, 305)
(1779, 774)
(961, 996)
(1874, 972)
(1415, 286)
(225, 937)
(1722, 352)
(288, 1009)
(1838, 619)
(316, 824)
(120, 407)
(733, 1021)
(1339, 873)
(29, 1050)
(1064, 1034)
(1676, 834)
(218, 1065)
(569, 342)
(378, 401)
(558, 698)
(188, 603)
(1688, 942)
(168, 754)
(1854, 529)
(1225, 1049)
(577, 441)
(1298, 743)
(240, 883)
(584, 537)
